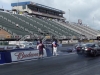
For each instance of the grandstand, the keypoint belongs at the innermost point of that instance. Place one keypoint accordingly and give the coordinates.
(29, 20)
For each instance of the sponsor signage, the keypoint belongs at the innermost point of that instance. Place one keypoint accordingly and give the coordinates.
(7, 47)
(0, 56)
(24, 55)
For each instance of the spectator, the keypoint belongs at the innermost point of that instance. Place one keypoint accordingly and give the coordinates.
(17, 47)
(38, 44)
(54, 44)
(40, 47)
(52, 48)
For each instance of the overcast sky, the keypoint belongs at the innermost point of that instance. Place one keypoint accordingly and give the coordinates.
(79, 9)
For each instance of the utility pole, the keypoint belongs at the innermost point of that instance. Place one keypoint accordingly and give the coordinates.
(93, 20)
(69, 15)
(18, 7)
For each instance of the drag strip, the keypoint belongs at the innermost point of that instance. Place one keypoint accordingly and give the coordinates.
(71, 64)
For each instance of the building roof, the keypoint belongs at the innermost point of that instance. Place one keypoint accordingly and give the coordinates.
(36, 4)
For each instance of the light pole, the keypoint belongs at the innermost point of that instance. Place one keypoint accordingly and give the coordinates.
(17, 6)
(69, 15)
(93, 20)
(2, 6)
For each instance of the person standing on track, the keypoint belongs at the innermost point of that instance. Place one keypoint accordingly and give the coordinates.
(54, 44)
(40, 47)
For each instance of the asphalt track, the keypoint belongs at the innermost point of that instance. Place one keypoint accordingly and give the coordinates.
(64, 64)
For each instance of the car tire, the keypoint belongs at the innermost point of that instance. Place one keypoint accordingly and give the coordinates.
(95, 53)
(78, 53)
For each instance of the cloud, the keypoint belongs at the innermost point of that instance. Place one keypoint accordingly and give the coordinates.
(79, 9)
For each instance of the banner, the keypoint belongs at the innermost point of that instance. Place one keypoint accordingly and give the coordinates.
(24, 55)
(7, 47)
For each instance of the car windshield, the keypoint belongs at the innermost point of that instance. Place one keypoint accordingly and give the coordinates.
(89, 45)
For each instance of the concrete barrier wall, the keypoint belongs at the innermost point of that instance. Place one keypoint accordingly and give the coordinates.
(7, 56)
(69, 41)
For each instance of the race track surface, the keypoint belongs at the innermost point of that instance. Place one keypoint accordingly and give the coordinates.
(68, 64)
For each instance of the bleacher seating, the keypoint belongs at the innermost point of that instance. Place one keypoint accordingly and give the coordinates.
(71, 32)
(19, 22)
(35, 26)
(46, 26)
(58, 28)
(12, 27)
(79, 28)
(29, 25)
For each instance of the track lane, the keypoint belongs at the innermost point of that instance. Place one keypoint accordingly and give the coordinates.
(60, 65)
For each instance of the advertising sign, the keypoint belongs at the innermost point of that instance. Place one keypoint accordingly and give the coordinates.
(7, 47)
(24, 55)
(0, 56)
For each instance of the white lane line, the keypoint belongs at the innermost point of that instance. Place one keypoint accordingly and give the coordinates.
(69, 54)
(19, 61)
(61, 55)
